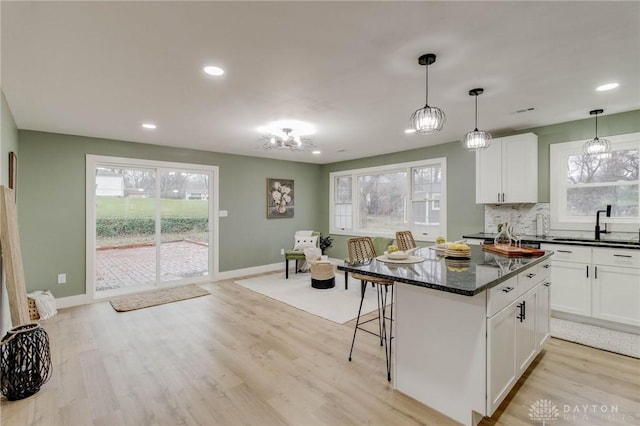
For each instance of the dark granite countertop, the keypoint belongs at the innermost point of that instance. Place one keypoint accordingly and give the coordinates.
(633, 245)
(466, 277)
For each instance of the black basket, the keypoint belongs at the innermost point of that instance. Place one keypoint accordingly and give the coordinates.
(25, 361)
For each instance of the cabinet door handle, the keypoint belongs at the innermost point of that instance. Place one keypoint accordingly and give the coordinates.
(564, 251)
(622, 255)
(587, 271)
(507, 289)
(595, 274)
(498, 197)
(503, 197)
(531, 275)
(547, 284)
(523, 311)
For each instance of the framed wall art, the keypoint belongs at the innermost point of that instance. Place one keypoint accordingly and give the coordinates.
(280, 198)
(13, 172)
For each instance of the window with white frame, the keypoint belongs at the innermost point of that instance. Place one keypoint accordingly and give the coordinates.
(386, 199)
(581, 184)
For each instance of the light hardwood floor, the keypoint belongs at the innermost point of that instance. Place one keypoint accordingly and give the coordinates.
(239, 358)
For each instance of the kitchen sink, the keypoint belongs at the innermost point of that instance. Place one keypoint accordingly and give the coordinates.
(591, 240)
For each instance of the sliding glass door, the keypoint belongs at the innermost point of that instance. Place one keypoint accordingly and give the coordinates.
(150, 224)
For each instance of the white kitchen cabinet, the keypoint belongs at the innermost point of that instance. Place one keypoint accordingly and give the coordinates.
(526, 341)
(501, 356)
(515, 334)
(507, 171)
(599, 282)
(616, 289)
(543, 313)
(570, 275)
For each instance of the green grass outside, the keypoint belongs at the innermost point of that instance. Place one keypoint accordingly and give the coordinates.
(110, 207)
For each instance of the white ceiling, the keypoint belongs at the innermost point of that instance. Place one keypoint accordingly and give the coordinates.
(350, 68)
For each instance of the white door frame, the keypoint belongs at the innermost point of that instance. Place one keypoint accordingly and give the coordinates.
(92, 161)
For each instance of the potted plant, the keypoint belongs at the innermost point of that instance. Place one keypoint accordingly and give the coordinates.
(325, 242)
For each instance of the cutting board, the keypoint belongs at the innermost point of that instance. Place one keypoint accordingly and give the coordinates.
(513, 251)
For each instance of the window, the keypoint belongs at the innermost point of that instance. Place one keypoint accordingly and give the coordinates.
(582, 184)
(383, 200)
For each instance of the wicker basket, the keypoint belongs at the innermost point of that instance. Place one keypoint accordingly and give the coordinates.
(323, 275)
(33, 309)
(322, 271)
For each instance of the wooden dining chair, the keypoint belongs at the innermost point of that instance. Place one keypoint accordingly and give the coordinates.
(405, 240)
(362, 250)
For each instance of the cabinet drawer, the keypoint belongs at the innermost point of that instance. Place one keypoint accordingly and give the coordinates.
(566, 253)
(501, 295)
(544, 270)
(528, 279)
(616, 257)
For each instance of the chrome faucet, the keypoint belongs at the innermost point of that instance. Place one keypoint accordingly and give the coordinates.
(608, 213)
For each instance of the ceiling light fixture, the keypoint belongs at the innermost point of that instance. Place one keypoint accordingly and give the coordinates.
(607, 86)
(428, 119)
(478, 139)
(596, 146)
(215, 71)
(149, 126)
(286, 139)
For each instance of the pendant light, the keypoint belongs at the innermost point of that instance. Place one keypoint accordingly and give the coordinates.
(478, 139)
(596, 146)
(427, 119)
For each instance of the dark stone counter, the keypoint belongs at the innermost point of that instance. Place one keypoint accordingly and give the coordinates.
(467, 277)
(604, 242)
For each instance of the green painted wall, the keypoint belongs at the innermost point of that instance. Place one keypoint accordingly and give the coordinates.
(464, 216)
(52, 204)
(52, 195)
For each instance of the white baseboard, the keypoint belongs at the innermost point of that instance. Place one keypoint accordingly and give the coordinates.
(69, 301)
(597, 322)
(83, 299)
(250, 271)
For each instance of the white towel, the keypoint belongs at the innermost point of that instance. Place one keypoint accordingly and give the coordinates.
(45, 302)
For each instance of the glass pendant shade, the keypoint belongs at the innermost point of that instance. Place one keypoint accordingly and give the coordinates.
(427, 120)
(477, 139)
(596, 146)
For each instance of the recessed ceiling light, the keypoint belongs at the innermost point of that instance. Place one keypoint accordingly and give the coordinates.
(316, 152)
(410, 130)
(211, 70)
(149, 126)
(607, 86)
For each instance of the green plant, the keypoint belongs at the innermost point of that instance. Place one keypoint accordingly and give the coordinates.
(325, 242)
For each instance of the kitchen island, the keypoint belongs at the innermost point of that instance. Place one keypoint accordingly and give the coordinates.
(465, 330)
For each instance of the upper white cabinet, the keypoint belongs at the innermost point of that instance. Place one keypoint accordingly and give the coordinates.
(507, 171)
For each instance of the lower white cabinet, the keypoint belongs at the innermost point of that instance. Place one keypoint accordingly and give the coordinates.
(543, 319)
(616, 294)
(515, 336)
(599, 282)
(571, 291)
(501, 356)
(526, 341)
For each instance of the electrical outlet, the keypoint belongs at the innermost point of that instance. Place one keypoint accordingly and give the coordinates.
(62, 278)
(282, 252)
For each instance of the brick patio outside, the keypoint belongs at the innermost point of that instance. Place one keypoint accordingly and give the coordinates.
(127, 267)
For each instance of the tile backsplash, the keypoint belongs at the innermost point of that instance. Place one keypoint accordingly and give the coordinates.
(523, 217)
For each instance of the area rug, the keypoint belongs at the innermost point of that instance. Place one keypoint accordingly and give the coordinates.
(596, 337)
(156, 297)
(335, 304)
